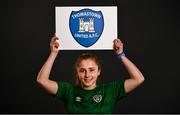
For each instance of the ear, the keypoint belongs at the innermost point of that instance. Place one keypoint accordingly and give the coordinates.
(99, 72)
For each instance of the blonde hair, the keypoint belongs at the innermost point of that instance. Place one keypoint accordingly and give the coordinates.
(86, 56)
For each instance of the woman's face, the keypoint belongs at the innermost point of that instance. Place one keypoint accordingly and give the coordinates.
(88, 73)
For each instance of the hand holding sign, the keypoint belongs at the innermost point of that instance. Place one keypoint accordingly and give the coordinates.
(54, 44)
(118, 46)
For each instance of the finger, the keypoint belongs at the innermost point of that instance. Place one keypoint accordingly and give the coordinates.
(115, 40)
(54, 35)
(54, 39)
(115, 47)
(56, 45)
(118, 40)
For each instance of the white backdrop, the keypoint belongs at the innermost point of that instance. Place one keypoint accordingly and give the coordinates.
(105, 42)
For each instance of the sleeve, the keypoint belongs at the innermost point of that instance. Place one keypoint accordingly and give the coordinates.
(63, 89)
(118, 89)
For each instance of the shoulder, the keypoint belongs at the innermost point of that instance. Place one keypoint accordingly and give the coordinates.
(64, 89)
(115, 83)
(65, 85)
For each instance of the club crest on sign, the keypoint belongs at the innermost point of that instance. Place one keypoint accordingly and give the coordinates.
(86, 26)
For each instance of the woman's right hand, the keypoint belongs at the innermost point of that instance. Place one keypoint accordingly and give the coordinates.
(54, 45)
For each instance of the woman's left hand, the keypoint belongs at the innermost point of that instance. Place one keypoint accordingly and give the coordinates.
(118, 46)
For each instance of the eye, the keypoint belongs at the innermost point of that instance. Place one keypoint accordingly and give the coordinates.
(81, 70)
(91, 70)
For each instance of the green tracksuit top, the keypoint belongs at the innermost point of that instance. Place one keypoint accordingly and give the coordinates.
(100, 100)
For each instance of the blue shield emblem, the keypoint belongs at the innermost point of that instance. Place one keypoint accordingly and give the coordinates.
(86, 26)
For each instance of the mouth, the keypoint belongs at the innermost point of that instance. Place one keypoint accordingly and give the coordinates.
(87, 80)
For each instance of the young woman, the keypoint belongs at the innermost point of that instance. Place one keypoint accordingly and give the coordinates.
(88, 96)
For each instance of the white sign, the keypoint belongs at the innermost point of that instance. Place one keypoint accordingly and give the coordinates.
(86, 27)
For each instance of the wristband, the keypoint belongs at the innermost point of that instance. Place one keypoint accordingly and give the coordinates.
(120, 55)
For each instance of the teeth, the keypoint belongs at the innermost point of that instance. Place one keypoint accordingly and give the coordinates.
(87, 80)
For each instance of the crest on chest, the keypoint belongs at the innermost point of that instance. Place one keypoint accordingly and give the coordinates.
(96, 98)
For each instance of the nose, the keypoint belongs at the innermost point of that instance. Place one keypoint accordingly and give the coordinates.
(86, 74)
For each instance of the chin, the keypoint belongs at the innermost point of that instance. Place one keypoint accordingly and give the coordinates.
(88, 84)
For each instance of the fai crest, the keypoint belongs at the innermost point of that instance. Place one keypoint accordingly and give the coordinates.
(97, 98)
(86, 26)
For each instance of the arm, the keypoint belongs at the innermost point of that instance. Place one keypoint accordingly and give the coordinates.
(136, 77)
(43, 77)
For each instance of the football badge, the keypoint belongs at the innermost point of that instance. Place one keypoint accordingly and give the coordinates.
(86, 26)
(97, 98)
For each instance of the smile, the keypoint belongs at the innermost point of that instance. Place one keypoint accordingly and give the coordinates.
(87, 80)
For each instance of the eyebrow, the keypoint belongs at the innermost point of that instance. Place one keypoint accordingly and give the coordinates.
(89, 68)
